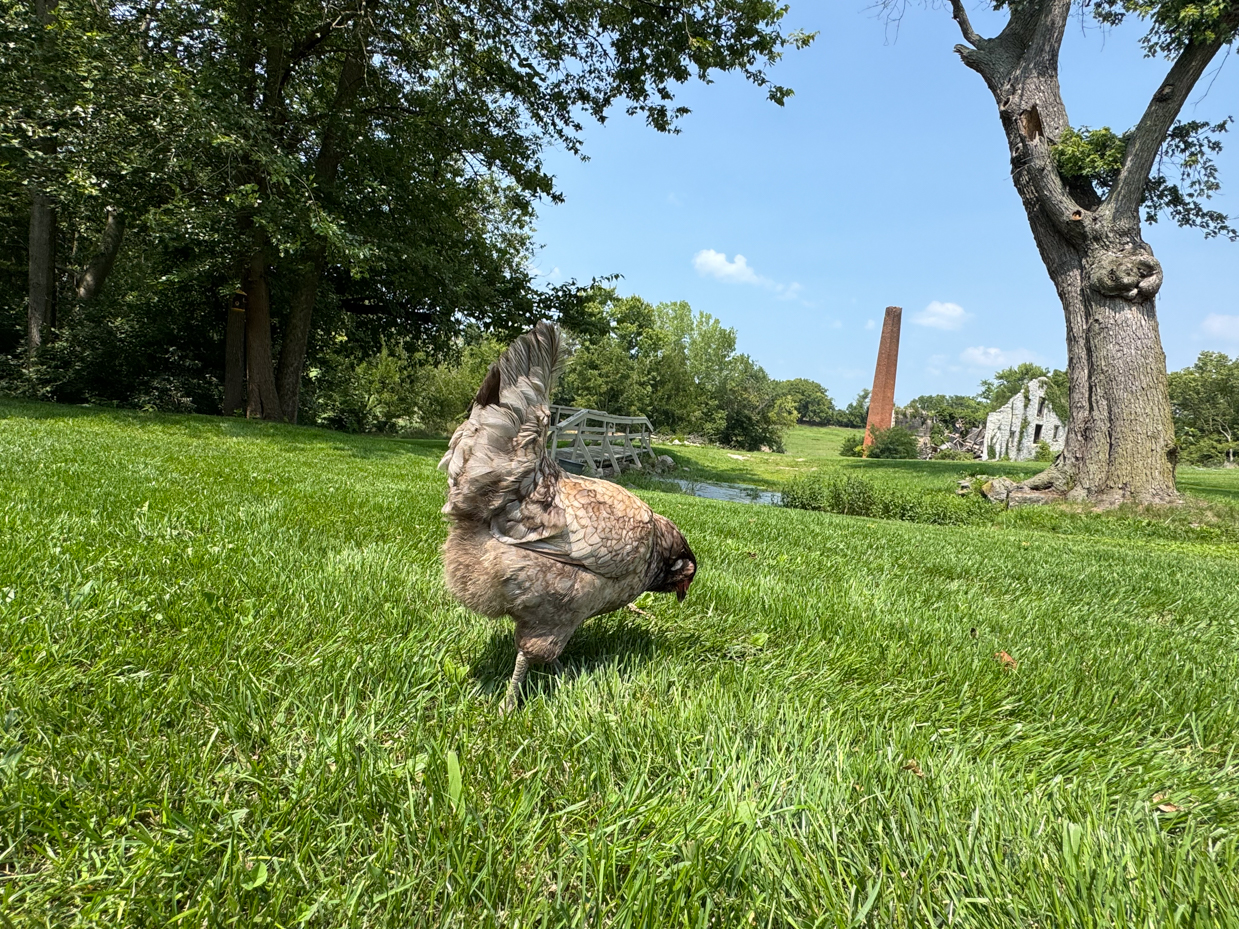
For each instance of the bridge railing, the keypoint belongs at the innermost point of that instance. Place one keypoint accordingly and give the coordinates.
(595, 439)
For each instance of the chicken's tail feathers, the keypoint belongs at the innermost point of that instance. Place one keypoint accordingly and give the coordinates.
(497, 457)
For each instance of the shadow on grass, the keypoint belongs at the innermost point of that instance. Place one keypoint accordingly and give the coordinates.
(197, 425)
(614, 639)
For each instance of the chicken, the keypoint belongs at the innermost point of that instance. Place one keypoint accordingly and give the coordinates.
(528, 540)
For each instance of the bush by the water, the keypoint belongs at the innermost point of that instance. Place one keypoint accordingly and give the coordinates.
(892, 498)
(895, 442)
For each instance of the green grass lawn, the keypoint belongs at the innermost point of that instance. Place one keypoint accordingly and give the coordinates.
(235, 692)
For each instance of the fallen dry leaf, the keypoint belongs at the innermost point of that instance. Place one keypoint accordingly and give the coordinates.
(640, 612)
(911, 765)
(1006, 661)
(1166, 807)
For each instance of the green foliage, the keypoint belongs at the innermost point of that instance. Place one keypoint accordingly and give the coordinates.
(969, 412)
(396, 391)
(853, 445)
(1058, 394)
(1044, 452)
(1094, 157)
(895, 442)
(1205, 402)
(953, 454)
(810, 400)
(856, 495)
(996, 392)
(387, 160)
(679, 369)
(856, 414)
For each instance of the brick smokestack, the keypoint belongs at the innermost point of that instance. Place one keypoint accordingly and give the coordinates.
(882, 399)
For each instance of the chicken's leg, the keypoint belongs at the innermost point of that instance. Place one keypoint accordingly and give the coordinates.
(518, 678)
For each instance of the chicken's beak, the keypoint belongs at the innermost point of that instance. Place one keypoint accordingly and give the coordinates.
(681, 589)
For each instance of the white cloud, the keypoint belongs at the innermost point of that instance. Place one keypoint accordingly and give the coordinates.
(992, 358)
(940, 315)
(1221, 327)
(710, 263)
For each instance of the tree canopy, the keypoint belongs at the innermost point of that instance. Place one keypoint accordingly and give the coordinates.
(362, 174)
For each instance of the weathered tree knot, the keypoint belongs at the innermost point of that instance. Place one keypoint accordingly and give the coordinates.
(1164, 93)
(1132, 274)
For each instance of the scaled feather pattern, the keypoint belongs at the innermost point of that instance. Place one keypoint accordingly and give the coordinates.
(547, 548)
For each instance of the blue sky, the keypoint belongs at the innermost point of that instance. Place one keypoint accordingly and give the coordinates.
(884, 180)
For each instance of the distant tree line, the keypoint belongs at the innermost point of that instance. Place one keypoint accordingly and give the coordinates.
(1205, 401)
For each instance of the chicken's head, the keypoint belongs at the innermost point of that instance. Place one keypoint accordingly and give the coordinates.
(674, 565)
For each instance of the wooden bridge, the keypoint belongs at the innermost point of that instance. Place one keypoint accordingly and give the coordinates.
(590, 440)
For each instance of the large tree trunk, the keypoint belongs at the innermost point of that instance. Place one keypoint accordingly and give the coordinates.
(95, 275)
(264, 401)
(1120, 436)
(234, 355)
(297, 332)
(326, 169)
(41, 309)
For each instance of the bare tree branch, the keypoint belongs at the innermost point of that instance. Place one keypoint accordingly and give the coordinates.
(1150, 133)
(960, 15)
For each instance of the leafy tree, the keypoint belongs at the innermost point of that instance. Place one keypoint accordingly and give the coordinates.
(895, 442)
(1205, 400)
(1085, 193)
(678, 368)
(997, 391)
(856, 414)
(357, 170)
(610, 369)
(952, 409)
(810, 399)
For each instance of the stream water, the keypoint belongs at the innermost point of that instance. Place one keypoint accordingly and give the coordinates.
(735, 493)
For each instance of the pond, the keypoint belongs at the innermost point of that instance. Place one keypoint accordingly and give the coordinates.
(735, 493)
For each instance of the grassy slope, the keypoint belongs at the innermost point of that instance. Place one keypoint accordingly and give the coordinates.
(809, 448)
(233, 688)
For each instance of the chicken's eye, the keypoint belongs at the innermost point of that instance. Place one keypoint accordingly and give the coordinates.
(679, 563)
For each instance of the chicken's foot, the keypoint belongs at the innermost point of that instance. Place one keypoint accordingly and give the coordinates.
(518, 678)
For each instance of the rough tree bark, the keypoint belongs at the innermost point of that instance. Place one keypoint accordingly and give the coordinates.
(234, 355)
(326, 169)
(264, 401)
(41, 308)
(41, 305)
(1120, 441)
(95, 275)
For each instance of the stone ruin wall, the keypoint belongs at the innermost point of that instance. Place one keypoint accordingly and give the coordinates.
(1014, 430)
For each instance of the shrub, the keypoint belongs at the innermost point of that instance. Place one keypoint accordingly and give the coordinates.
(1044, 452)
(895, 442)
(854, 495)
(954, 454)
(853, 442)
